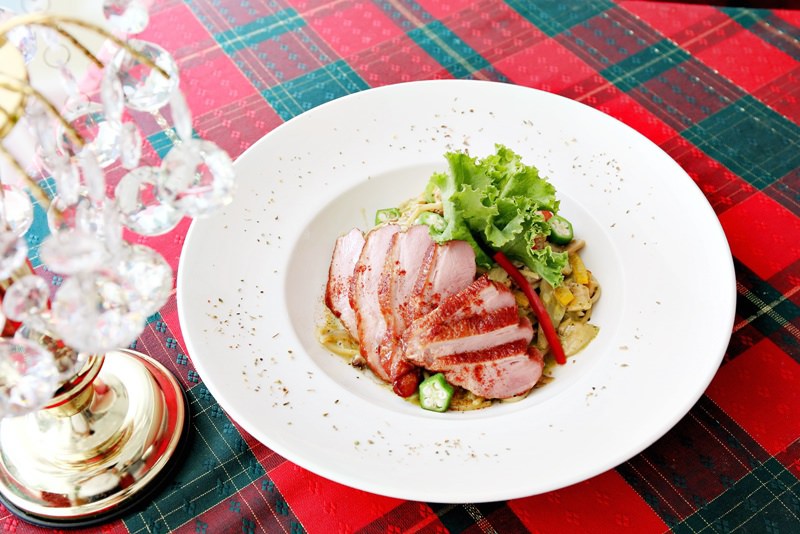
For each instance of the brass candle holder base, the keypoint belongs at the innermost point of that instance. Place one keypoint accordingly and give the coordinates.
(108, 440)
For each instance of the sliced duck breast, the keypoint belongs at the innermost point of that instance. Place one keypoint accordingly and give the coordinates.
(501, 372)
(370, 321)
(346, 252)
(477, 339)
(447, 269)
(403, 265)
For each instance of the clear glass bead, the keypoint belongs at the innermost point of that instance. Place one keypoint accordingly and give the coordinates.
(16, 210)
(126, 16)
(66, 359)
(92, 313)
(197, 177)
(72, 252)
(141, 209)
(26, 297)
(81, 214)
(13, 253)
(147, 276)
(28, 376)
(100, 134)
(146, 89)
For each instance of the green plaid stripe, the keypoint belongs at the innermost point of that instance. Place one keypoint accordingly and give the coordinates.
(554, 17)
(219, 463)
(767, 499)
(645, 65)
(259, 30)
(772, 313)
(448, 49)
(751, 140)
(322, 85)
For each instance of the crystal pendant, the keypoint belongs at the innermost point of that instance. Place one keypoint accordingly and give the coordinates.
(82, 214)
(66, 359)
(147, 276)
(35, 6)
(146, 89)
(13, 253)
(126, 16)
(197, 177)
(68, 183)
(72, 252)
(93, 176)
(181, 116)
(26, 301)
(111, 94)
(28, 376)
(92, 314)
(112, 228)
(100, 134)
(42, 126)
(141, 210)
(130, 145)
(26, 297)
(21, 37)
(16, 209)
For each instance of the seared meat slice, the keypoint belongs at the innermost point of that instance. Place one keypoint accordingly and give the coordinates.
(500, 372)
(403, 265)
(400, 273)
(370, 322)
(346, 252)
(478, 341)
(446, 270)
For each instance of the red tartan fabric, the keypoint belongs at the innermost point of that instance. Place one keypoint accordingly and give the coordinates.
(732, 464)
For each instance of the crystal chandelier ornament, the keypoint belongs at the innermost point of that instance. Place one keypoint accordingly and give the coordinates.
(88, 428)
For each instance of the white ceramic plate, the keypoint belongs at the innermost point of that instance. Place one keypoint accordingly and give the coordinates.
(251, 280)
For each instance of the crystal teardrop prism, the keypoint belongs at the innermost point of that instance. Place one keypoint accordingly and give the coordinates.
(181, 116)
(13, 253)
(130, 144)
(16, 209)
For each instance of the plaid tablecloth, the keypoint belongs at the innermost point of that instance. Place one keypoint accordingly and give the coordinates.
(717, 88)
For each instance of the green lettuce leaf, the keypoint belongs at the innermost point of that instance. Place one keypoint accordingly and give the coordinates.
(498, 200)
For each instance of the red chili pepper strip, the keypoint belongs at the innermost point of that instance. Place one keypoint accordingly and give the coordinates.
(536, 306)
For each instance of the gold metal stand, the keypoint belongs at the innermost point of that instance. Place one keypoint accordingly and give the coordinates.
(104, 444)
